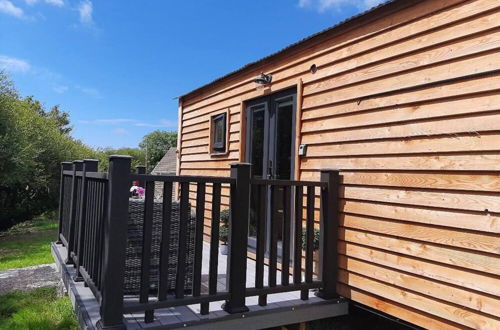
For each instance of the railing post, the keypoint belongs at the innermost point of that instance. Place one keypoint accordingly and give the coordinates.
(65, 166)
(89, 165)
(238, 238)
(141, 169)
(115, 242)
(77, 166)
(329, 224)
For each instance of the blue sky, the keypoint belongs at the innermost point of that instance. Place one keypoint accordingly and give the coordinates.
(116, 65)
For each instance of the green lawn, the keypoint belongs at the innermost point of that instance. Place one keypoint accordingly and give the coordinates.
(40, 309)
(23, 250)
(28, 243)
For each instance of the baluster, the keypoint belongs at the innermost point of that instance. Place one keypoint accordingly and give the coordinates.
(147, 237)
(165, 240)
(214, 245)
(297, 257)
(198, 238)
(273, 248)
(285, 255)
(309, 240)
(181, 258)
(261, 242)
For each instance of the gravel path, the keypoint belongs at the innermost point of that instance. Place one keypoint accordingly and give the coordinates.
(28, 278)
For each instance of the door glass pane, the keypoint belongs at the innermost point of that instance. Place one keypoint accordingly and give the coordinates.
(257, 133)
(284, 142)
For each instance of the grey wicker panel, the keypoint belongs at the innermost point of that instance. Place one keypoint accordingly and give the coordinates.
(134, 247)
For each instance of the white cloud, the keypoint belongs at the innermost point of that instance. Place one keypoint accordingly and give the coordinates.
(337, 5)
(90, 91)
(120, 130)
(13, 64)
(58, 3)
(9, 8)
(159, 124)
(85, 9)
(60, 89)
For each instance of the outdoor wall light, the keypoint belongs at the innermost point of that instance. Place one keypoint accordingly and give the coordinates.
(264, 79)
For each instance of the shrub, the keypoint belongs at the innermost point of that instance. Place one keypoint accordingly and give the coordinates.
(224, 228)
(315, 239)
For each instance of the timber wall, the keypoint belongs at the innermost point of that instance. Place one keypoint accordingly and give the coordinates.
(407, 105)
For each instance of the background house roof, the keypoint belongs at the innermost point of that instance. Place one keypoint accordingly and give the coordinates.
(168, 164)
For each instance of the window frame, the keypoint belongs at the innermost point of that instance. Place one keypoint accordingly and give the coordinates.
(220, 147)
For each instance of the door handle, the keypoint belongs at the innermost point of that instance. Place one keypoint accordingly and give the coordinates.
(270, 170)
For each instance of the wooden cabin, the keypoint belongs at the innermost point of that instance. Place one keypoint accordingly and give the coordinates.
(404, 100)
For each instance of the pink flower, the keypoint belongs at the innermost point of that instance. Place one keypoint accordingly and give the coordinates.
(140, 190)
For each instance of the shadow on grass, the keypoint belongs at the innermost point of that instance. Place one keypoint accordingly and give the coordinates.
(40, 309)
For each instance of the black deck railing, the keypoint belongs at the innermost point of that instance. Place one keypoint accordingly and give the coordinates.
(94, 213)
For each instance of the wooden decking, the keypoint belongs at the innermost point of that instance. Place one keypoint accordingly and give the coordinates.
(282, 308)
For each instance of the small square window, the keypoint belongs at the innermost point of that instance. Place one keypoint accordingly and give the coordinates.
(219, 133)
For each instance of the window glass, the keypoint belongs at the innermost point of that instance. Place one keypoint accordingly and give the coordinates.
(284, 141)
(257, 157)
(219, 132)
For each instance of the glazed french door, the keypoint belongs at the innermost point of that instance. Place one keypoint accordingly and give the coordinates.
(271, 143)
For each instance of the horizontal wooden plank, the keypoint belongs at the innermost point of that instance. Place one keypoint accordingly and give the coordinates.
(434, 109)
(205, 157)
(450, 181)
(444, 236)
(436, 54)
(433, 180)
(217, 163)
(439, 144)
(395, 309)
(225, 172)
(450, 70)
(441, 126)
(463, 162)
(345, 46)
(453, 200)
(203, 123)
(428, 48)
(466, 298)
(432, 306)
(454, 219)
(411, 99)
(460, 267)
(203, 120)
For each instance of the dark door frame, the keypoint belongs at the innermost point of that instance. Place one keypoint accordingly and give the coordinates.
(268, 104)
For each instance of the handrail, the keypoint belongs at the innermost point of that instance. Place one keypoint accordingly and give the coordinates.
(182, 178)
(276, 182)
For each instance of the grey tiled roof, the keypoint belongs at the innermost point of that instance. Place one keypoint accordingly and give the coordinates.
(168, 164)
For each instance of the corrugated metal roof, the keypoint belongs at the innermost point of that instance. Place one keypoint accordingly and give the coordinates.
(295, 44)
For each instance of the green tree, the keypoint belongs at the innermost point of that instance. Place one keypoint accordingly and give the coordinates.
(33, 143)
(156, 144)
(102, 154)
